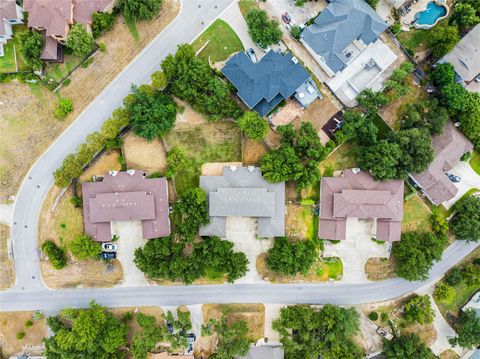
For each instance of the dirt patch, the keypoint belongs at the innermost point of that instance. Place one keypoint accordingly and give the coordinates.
(272, 140)
(187, 116)
(449, 354)
(26, 111)
(343, 157)
(253, 151)
(301, 222)
(62, 224)
(426, 333)
(143, 155)
(216, 168)
(107, 162)
(7, 272)
(287, 113)
(12, 323)
(380, 268)
(318, 113)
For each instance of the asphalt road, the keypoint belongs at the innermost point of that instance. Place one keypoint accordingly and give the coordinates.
(335, 293)
(194, 16)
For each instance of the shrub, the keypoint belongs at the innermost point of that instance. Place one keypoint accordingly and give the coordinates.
(83, 248)
(253, 125)
(101, 22)
(373, 316)
(466, 157)
(296, 32)
(76, 201)
(65, 106)
(176, 161)
(444, 292)
(419, 309)
(262, 30)
(56, 255)
(454, 277)
(20, 335)
(289, 258)
(102, 47)
(28, 323)
(384, 317)
(79, 40)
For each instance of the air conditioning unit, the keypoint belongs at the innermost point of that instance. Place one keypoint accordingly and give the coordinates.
(310, 89)
(301, 95)
(294, 60)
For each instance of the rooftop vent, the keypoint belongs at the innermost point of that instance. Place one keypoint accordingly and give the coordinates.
(301, 95)
(356, 170)
(131, 172)
(294, 60)
(310, 89)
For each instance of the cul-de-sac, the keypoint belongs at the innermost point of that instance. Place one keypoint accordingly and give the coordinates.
(239, 179)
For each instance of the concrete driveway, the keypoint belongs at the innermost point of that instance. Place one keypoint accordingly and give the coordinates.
(355, 250)
(242, 231)
(299, 14)
(131, 237)
(469, 179)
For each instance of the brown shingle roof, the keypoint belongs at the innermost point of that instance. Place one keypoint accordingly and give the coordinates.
(126, 196)
(360, 196)
(449, 147)
(83, 10)
(50, 51)
(55, 16)
(8, 11)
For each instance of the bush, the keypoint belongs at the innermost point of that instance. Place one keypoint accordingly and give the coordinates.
(466, 157)
(384, 317)
(373, 316)
(296, 32)
(454, 277)
(20, 335)
(176, 161)
(253, 125)
(83, 248)
(101, 22)
(28, 323)
(102, 47)
(444, 292)
(56, 255)
(65, 106)
(262, 30)
(291, 257)
(419, 309)
(79, 40)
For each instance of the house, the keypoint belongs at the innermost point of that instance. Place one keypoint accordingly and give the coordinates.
(126, 196)
(54, 18)
(465, 58)
(242, 192)
(473, 303)
(10, 14)
(264, 352)
(357, 195)
(345, 41)
(276, 77)
(449, 146)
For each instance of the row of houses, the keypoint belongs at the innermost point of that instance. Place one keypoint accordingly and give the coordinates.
(52, 18)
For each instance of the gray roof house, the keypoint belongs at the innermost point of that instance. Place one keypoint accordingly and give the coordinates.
(242, 192)
(449, 146)
(276, 77)
(334, 37)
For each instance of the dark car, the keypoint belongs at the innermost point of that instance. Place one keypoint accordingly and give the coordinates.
(108, 255)
(169, 327)
(287, 19)
(191, 338)
(453, 178)
(251, 54)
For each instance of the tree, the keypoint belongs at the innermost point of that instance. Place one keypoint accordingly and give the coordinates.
(396, 86)
(465, 223)
(253, 125)
(146, 340)
(56, 255)
(135, 10)
(381, 159)
(419, 309)
(371, 101)
(31, 46)
(289, 258)
(464, 17)
(416, 252)
(454, 277)
(281, 165)
(83, 248)
(417, 152)
(151, 115)
(101, 22)
(232, 338)
(467, 329)
(425, 114)
(444, 292)
(360, 127)
(79, 40)
(442, 40)
(373, 316)
(327, 332)
(455, 98)
(192, 212)
(86, 333)
(373, 3)
(176, 161)
(71, 168)
(296, 32)
(159, 80)
(443, 74)
(470, 274)
(262, 30)
(406, 346)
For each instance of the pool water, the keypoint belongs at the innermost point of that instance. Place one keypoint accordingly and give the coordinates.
(430, 14)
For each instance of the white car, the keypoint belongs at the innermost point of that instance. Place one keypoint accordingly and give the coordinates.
(111, 247)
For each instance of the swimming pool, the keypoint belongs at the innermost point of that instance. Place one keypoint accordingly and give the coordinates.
(429, 17)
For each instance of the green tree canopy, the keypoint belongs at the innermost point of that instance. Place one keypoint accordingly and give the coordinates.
(465, 223)
(140, 9)
(464, 16)
(360, 127)
(291, 257)
(31, 46)
(419, 309)
(232, 337)
(262, 30)
(406, 347)
(427, 114)
(444, 292)
(281, 165)
(101, 22)
(191, 212)
(253, 125)
(176, 161)
(443, 74)
(56, 255)
(371, 101)
(147, 338)
(468, 329)
(83, 248)
(442, 39)
(79, 40)
(381, 159)
(417, 151)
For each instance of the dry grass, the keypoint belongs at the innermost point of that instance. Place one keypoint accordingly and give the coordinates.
(63, 225)
(26, 111)
(12, 323)
(253, 151)
(416, 216)
(107, 162)
(7, 272)
(216, 168)
(301, 222)
(426, 333)
(380, 268)
(449, 354)
(143, 155)
(343, 157)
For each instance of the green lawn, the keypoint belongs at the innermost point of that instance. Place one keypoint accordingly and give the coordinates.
(475, 161)
(343, 157)
(59, 71)
(7, 62)
(416, 216)
(223, 42)
(247, 5)
(210, 142)
(414, 40)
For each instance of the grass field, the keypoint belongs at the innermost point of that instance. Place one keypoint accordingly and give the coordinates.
(58, 71)
(222, 42)
(209, 142)
(7, 62)
(414, 40)
(7, 273)
(301, 222)
(247, 5)
(416, 216)
(343, 157)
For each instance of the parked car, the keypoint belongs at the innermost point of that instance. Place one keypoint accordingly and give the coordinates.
(384, 333)
(251, 54)
(169, 327)
(287, 19)
(191, 338)
(108, 255)
(109, 247)
(190, 348)
(453, 178)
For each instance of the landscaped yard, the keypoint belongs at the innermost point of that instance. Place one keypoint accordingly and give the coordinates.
(59, 70)
(7, 62)
(343, 157)
(7, 273)
(247, 5)
(209, 142)
(143, 155)
(222, 42)
(301, 222)
(416, 216)
(414, 40)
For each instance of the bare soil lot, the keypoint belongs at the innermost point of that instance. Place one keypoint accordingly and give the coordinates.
(12, 323)
(143, 155)
(380, 268)
(27, 125)
(7, 272)
(253, 151)
(107, 162)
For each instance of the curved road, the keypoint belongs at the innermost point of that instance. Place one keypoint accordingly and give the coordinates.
(30, 293)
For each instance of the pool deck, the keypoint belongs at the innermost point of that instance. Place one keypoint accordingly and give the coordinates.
(414, 9)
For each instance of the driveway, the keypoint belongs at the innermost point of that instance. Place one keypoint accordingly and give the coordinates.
(242, 231)
(299, 14)
(131, 238)
(355, 250)
(469, 179)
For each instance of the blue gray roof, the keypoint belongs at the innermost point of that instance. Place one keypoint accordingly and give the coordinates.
(242, 192)
(263, 85)
(338, 25)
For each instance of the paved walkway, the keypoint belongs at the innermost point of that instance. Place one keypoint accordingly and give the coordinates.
(469, 179)
(444, 332)
(6, 214)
